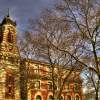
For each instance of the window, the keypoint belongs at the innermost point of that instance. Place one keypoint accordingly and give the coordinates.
(76, 97)
(9, 86)
(75, 87)
(10, 37)
(0, 56)
(60, 98)
(68, 97)
(38, 97)
(51, 97)
(68, 87)
(10, 79)
(36, 69)
(9, 89)
(37, 85)
(50, 85)
(1, 36)
(11, 59)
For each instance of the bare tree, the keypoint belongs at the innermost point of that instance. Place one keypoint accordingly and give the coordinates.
(84, 17)
(52, 33)
(69, 36)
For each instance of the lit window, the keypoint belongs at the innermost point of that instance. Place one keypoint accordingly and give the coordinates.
(37, 85)
(36, 69)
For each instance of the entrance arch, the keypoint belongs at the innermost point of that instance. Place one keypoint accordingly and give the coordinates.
(76, 97)
(51, 97)
(38, 97)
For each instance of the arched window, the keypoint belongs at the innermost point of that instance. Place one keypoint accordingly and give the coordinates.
(38, 97)
(68, 97)
(76, 97)
(9, 86)
(51, 97)
(10, 37)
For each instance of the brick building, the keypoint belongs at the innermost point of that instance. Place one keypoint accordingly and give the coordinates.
(39, 84)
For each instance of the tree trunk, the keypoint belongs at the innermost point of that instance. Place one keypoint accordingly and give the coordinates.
(23, 81)
(96, 96)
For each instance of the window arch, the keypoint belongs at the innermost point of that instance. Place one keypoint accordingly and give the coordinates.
(51, 97)
(68, 97)
(38, 97)
(76, 97)
(10, 37)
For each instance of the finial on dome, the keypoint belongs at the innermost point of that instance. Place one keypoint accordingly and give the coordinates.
(8, 20)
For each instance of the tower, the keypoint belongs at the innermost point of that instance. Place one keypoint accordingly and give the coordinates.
(8, 35)
(9, 59)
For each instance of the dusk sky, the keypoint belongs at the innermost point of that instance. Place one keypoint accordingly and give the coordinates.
(23, 10)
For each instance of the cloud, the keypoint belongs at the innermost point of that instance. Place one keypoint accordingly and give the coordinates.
(23, 10)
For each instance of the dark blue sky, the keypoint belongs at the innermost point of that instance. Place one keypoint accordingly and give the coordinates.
(23, 10)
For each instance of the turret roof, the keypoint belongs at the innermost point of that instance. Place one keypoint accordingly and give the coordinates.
(7, 20)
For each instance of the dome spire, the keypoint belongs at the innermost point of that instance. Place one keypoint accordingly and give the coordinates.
(8, 12)
(8, 20)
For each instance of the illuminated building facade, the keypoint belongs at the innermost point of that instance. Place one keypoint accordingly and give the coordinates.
(39, 85)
